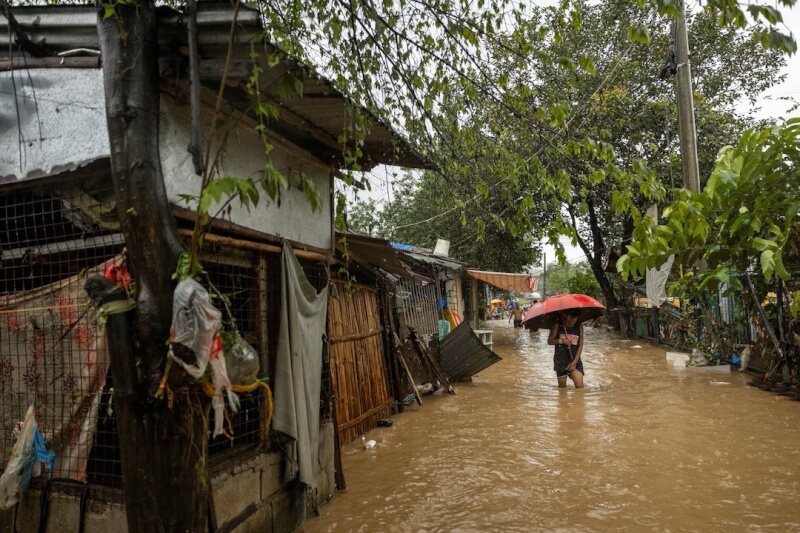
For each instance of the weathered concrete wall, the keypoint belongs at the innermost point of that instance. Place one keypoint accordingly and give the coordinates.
(251, 497)
(243, 155)
(63, 515)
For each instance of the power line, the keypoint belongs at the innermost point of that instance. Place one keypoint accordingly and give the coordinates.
(529, 159)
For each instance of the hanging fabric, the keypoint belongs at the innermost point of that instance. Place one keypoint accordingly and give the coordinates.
(298, 368)
(656, 283)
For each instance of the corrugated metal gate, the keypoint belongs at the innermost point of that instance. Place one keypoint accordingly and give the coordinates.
(358, 372)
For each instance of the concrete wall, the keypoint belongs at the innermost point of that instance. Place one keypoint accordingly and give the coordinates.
(242, 156)
(456, 302)
(62, 125)
(250, 497)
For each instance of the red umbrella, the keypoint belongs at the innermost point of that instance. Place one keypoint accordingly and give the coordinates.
(544, 314)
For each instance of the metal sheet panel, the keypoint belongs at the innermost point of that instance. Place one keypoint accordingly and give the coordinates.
(372, 252)
(319, 115)
(438, 261)
(462, 354)
(52, 120)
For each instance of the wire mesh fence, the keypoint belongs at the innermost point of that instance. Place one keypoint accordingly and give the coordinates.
(233, 278)
(725, 322)
(53, 353)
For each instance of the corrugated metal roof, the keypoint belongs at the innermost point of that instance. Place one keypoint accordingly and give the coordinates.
(372, 252)
(437, 260)
(314, 121)
(462, 354)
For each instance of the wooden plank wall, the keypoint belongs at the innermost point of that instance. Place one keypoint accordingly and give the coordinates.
(360, 384)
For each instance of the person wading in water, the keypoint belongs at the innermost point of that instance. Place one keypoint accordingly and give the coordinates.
(517, 314)
(567, 337)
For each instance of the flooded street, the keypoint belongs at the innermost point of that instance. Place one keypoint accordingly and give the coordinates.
(645, 447)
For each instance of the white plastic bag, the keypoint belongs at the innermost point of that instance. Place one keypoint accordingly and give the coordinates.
(11, 482)
(219, 378)
(195, 322)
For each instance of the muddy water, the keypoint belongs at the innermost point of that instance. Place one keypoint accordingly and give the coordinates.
(644, 447)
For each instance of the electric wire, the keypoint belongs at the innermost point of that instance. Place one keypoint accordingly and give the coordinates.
(609, 77)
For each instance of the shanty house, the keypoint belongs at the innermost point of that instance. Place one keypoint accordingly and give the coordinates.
(58, 222)
(400, 289)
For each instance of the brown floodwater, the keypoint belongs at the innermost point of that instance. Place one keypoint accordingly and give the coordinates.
(644, 447)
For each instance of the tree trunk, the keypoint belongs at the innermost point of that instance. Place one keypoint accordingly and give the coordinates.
(594, 257)
(163, 444)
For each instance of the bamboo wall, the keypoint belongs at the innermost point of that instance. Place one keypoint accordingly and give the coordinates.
(360, 386)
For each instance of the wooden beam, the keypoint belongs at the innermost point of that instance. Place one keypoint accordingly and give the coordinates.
(211, 69)
(20, 63)
(293, 119)
(375, 410)
(255, 246)
(244, 231)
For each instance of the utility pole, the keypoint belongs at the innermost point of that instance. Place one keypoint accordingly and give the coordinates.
(544, 277)
(683, 86)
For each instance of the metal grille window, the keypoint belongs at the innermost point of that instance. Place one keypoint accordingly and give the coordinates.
(233, 280)
(416, 303)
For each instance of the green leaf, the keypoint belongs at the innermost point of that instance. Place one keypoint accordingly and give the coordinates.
(767, 263)
(764, 244)
(587, 64)
(780, 269)
(794, 308)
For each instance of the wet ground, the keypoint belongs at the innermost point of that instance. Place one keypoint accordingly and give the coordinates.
(644, 447)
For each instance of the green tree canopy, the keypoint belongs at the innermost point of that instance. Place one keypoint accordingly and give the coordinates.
(745, 217)
(582, 136)
(573, 279)
(451, 218)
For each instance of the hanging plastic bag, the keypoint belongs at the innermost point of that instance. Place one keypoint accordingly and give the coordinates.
(241, 361)
(19, 468)
(219, 378)
(195, 323)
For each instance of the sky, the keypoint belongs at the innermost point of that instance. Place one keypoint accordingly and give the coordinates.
(773, 104)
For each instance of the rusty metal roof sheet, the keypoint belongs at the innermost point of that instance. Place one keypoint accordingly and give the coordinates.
(372, 252)
(462, 354)
(439, 261)
(313, 121)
